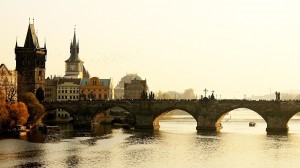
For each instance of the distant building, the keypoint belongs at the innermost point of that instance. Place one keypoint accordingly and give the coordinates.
(119, 89)
(8, 82)
(134, 89)
(68, 89)
(96, 89)
(51, 89)
(30, 65)
(74, 65)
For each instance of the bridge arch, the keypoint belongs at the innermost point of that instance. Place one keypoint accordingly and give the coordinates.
(161, 113)
(57, 115)
(221, 114)
(292, 121)
(105, 116)
(243, 110)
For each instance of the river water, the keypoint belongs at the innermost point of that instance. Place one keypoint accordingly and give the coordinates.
(176, 144)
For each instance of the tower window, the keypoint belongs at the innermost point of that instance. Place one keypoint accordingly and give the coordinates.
(40, 75)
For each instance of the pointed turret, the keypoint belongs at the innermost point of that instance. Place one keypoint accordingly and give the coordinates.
(45, 44)
(31, 40)
(16, 43)
(74, 38)
(74, 50)
(78, 46)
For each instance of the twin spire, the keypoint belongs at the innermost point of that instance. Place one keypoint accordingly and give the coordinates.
(31, 40)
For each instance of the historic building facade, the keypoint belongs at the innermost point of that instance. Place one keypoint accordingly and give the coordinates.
(68, 89)
(30, 65)
(51, 89)
(135, 88)
(96, 89)
(74, 65)
(119, 89)
(8, 83)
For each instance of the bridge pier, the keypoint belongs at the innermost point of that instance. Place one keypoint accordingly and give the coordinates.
(276, 125)
(144, 121)
(208, 124)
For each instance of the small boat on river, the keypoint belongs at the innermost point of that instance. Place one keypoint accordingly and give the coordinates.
(252, 124)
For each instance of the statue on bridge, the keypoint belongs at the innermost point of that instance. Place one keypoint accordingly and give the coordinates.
(212, 97)
(144, 95)
(151, 96)
(277, 94)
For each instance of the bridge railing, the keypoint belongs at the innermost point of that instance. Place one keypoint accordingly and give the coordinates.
(170, 100)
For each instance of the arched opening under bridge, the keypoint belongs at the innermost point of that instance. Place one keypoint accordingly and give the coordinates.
(176, 120)
(57, 116)
(294, 123)
(115, 115)
(242, 120)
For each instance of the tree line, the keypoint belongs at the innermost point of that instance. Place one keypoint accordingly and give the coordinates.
(27, 111)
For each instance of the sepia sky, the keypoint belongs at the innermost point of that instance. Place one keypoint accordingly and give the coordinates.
(235, 47)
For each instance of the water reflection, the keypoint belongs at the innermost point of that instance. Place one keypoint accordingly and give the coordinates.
(176, 144)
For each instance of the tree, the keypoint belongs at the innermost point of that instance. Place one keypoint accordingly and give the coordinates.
(35, 109)
(18, 113)
(3, 111)
(12, 113)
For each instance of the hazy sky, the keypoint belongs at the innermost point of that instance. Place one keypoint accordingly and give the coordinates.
(234, 47)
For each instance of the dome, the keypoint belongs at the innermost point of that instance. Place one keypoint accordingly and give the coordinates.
(127, 79)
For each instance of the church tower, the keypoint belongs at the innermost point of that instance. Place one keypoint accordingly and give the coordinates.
(30, 65)
(74, 65)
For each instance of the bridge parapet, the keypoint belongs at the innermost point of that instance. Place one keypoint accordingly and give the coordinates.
(207, 113)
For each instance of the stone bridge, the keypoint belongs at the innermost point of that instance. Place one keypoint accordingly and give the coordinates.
(207, 113)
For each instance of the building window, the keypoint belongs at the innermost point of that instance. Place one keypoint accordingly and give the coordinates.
(40, 75)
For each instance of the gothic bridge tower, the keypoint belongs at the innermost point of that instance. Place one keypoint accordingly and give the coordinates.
(30, 65)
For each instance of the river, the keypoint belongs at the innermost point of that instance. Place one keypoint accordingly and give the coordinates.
(176, 144)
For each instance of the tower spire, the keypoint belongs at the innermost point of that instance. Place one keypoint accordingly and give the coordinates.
(16, 41)
(31, 40)
(74, 38)
(45, 43)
